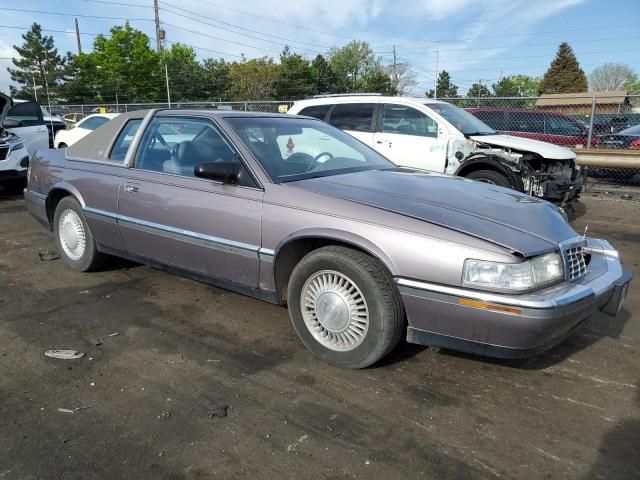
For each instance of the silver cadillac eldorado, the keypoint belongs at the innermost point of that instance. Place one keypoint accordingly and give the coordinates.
(293, 211)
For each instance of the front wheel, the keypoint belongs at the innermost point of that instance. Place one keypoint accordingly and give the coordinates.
(74, 239)
(345, 307)
(490, 176)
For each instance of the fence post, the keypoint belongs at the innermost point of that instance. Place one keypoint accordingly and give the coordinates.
(593, 112)
(245, 106)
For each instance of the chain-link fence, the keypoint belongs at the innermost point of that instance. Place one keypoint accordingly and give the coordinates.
(608, 124)
(602, 123)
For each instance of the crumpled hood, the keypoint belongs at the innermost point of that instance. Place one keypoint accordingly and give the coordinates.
(502, 216)
(544, 149)
(5, 104)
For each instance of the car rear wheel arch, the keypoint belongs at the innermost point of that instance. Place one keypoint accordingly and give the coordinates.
(53, 199)
(292, 252)
(492, 164)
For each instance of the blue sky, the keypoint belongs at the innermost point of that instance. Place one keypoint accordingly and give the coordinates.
(476, 40)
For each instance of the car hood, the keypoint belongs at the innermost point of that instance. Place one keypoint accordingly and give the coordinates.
(516, 221)
(544, 149)
(5, 105)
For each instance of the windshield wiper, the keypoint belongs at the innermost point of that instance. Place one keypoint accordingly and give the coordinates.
(480, 133)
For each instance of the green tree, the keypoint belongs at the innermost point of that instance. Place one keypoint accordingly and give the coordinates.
(446, 89)
(216, 78)
(186, 75)
(516, 86)
(122, 67)
(39, 64)
(564, 74)
(296, 76)
(351, 64)
(254, 79)
(478, 90)
(378, 81)
(324, 78)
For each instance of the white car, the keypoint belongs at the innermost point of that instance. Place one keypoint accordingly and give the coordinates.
(438, 136)
(22, 131)
(66, 138)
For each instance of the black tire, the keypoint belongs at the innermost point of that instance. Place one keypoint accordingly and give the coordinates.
(91, 258)
(62, 145)
(490, 176)
(383, 302)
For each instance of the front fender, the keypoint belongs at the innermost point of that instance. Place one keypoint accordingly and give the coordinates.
(343, 237)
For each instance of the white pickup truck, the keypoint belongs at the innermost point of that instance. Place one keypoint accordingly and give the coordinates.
(22, 133)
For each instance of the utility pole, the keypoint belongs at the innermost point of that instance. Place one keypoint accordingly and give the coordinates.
(435, 82)
(78, 37)
(395, 70)
(157, 20)
(166, 74)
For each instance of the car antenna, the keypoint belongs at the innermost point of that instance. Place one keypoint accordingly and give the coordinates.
(584, 235)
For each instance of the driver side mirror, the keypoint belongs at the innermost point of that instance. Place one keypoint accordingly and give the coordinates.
(10, 123)
(225, 172)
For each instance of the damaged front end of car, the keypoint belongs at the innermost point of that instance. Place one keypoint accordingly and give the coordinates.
(558, 180)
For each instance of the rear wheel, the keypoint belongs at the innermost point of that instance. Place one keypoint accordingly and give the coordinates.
(345, 307)
(74, 239)
(490, 176)
(62, 145)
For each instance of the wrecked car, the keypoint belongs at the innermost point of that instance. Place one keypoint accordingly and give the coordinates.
(438, 136)
(361, 251)
(17, 131)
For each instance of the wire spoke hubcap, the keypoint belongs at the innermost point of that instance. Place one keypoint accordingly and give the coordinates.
(72, 234)
(334, 310)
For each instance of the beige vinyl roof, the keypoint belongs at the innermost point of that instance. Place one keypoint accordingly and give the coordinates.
(602, 98)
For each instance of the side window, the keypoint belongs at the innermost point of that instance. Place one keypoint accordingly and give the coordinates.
(176, 145)
(495, 120)
(407, 121)
(525, 122)
(561, 126)
(353, 116)
(28, 113)
(316, 111)
(123, 142)
(93, 123)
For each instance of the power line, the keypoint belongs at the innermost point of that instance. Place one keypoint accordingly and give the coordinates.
(199, 15)
(301, 27)
(78, 15)
(119, 3)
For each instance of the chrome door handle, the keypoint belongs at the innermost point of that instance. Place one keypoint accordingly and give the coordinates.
(130, 188)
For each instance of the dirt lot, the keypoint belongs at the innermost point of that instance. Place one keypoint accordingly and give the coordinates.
(152, 397)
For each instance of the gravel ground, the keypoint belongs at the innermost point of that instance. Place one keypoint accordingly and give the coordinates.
(181, 380)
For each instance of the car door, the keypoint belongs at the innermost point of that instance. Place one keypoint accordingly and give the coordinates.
(409, 137)
(32, 128)
(169, 216)
(357, 119)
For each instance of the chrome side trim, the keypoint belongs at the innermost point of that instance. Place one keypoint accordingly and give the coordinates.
(195, 238)
(101, 215)
(266, 255)
(604, 271)
(38, 197)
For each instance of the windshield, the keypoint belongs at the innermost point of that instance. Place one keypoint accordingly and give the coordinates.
(461, 119)
(635, 130)
(292, 149)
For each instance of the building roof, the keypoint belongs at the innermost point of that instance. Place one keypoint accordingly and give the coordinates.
(616, 97)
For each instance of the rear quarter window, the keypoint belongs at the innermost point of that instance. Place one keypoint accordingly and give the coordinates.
(316, 111)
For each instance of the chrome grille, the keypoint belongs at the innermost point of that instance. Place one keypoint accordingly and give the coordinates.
(4, 152)
(574, 262)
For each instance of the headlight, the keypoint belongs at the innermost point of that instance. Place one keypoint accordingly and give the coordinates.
(534, 273)
(17, 146)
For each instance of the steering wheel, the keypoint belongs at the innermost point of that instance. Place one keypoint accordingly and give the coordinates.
(313, 164)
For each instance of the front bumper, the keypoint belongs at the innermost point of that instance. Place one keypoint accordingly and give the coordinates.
(514, 326)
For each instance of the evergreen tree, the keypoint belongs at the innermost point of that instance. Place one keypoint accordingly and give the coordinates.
(446, 89)
(39, 64)
(323, 75)
(296, 76)
(564, 75)
(478, 90)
